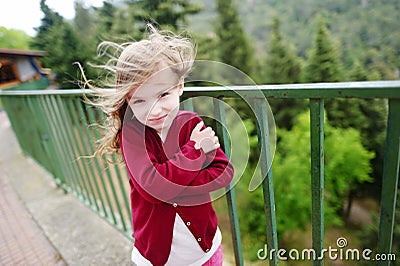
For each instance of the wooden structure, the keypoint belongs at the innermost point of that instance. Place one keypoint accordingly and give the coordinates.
(21, 68)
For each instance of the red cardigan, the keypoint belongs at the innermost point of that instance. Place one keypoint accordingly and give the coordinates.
(169, 178)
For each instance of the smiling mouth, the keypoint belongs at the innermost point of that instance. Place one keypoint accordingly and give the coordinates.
(158, 118)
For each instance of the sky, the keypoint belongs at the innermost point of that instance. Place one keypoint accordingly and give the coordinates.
(26, 14)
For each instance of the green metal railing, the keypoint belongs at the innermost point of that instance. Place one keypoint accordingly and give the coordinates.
(58, 129)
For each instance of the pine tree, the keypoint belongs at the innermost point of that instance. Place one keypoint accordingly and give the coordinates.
(283, 67)
(169, 14)
(104, 20)
(369, 233)
(323, 62)
(324, 66)
(83, 21)
(62, 44)
(124, 24)
(366, 115)
(357, 72)
(234, 46)
(49, 20)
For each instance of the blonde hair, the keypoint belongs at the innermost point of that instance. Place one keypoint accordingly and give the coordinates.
(131, 65)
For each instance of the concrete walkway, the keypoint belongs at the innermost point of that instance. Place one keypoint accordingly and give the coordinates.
(40, 225)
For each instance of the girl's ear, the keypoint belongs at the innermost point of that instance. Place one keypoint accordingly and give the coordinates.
(181, 86)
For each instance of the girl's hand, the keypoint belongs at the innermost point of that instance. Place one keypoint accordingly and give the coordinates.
(204, 139)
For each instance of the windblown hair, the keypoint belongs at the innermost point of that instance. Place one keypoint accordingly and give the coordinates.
(130, 66)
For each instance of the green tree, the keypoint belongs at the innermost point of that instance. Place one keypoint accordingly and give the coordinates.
(124, 23)
(283, 67)
(369, 233)
(323, 62)
(85, 27)
(14, 39)
(62, 44)
(83, 22)
(368, 116)
(170, 14)
(346, 162)
(104, 20)
(234, 47)
(357, 72)
(358, 25)
(282, 64)
(323, 66)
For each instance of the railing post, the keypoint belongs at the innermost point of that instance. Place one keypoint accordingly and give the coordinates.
(389, 180)
(19, 120)
(50, 143)
(89, 150)
(101, 167)
(317, 176)
(260, 107)
(39, 120)
(219, 112)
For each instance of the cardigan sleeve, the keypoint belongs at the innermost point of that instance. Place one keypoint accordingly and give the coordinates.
(217, 171)
(160, 180)
(186, 172)
(217, 174)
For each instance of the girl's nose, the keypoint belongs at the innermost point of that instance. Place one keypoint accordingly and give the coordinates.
(156, 109)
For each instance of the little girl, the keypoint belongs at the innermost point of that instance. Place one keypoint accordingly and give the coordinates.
(173, 160)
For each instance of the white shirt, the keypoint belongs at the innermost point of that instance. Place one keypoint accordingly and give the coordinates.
(185, 251)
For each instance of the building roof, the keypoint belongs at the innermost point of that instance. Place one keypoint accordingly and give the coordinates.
(36, 53)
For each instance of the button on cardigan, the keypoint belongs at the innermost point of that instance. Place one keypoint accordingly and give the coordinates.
(169, 178)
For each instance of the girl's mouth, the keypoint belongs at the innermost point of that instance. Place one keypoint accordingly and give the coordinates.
(158, 118)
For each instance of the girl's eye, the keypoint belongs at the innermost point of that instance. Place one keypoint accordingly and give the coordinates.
(164, 94)
(138, 101)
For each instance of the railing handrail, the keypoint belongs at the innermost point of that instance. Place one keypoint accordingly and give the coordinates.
(360, 89)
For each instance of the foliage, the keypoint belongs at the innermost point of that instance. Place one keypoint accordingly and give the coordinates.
(14, 39)
(83, 21)
(369, 233)
(369, 117)
(358, 114)
(62, 44)
(165, 13)
(106, 13)
(364, 40)
(233, 46)
(67, 42)
(323, 62)
(366, 30)
(346, 162)
(357, 73)
(323, 66)
(282, 66)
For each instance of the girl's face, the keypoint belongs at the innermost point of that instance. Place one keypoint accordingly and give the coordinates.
(155, 103)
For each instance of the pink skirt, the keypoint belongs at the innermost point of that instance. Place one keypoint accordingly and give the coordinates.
(216, 259)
